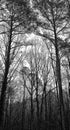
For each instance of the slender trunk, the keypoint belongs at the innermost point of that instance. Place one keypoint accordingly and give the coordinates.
(8, 113)
(45, 103)
(50, 111)
(4, 83)
(23, 107)
(32, 103)
(23, 115)
(58, 74)
(69, 75)
(68, 97)
(55, 78)
(32, 109)
(37, 105)
(32, 84)
(37, 89)
(31, 97)
(45, 106)
(37, 100)
(41, 108)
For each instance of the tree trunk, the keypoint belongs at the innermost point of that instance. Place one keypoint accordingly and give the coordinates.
(68, 97)
(23, 106)
(37, 101)
(50, 111)
(37, 89)
(59, 82)
(45, 106)
(4, 83)
(41, 107)
(45, 103)
(69, 74)
(32, 109)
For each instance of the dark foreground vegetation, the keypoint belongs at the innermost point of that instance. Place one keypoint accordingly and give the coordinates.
(34, 65)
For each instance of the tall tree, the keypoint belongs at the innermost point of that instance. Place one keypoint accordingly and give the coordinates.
(54, 14)
(13, 16)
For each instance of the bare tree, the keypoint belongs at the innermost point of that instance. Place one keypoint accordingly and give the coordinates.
(49, 10)
(12, 21)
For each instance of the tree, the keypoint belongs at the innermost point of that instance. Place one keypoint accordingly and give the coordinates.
(54, 13)
(12, 19)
